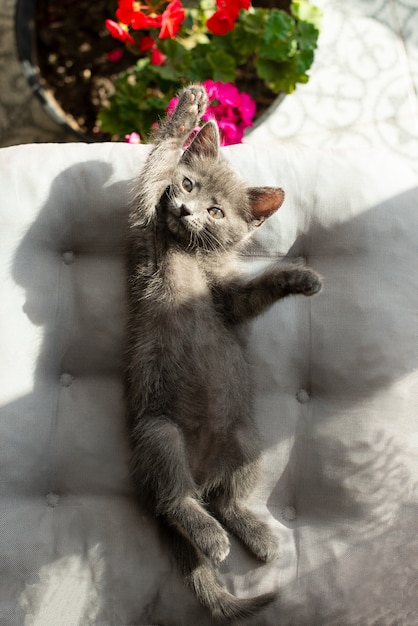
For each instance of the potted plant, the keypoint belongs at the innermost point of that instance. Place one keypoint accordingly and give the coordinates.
(110, 69)
(229, 46)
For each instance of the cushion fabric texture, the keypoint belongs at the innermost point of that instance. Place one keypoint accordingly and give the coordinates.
(335, 396)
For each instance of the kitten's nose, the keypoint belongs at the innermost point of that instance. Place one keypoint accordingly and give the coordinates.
(184, 211)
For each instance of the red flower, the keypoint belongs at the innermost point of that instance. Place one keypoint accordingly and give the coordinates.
(233, 7)
(220, 23)
(228, 4)
(129, 13)
(223, 20)
(118, 32)
(125, 11)
(157, 57)
(140, 20)
(146, 43)
(172, 19)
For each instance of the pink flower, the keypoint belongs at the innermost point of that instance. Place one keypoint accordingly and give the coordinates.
(230, 133)
(229, 94)
(210, 87)
(247, 109)
(133, 138)
(172, 105)
(232, 110)
(115, 55)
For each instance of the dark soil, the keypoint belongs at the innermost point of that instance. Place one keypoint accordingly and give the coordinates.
(72, 45)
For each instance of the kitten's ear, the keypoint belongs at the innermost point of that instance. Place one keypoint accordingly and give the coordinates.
(264, 202)
(205, 143)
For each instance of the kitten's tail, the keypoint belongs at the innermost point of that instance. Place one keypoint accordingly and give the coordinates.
(200, 576)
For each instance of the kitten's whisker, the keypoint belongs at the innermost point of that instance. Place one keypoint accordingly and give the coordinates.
(193, 243)
(213, 242)
(207, 244)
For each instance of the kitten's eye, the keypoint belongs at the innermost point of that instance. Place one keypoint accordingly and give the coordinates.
(187, 184)
(216, 213)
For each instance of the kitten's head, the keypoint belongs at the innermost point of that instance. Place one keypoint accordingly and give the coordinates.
(208, 206)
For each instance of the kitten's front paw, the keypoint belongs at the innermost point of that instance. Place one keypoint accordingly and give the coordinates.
(191, 106)
(310, 283)
(197, 98)
(305, 282)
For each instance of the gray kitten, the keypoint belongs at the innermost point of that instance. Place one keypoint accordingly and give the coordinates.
(195, 445)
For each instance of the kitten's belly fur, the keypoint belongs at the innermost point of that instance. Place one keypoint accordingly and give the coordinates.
(194, 366)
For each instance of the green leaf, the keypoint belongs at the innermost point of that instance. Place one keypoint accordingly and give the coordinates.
(166, 72)
(280, 77)
(197, 68)
(279, 25)
(253, 21)
(174, 50)
(305, 11)
(303, 61)
(279, 42)
(136, 105)
(307, 36)
(142, 63)
(267, 70)
(222, 65)
(109, 122)
(243, 43)
(244, 40)
(280, 51)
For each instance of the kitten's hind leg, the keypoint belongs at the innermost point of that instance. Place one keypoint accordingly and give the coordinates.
(251, 531)
(164, 480)
(201, 577)
(229, 507)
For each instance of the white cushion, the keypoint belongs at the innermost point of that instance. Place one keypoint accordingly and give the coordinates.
(335, 379)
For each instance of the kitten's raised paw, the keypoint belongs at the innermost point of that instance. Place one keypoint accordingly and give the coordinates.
(190, 108)
(196, 93)
(198, 99)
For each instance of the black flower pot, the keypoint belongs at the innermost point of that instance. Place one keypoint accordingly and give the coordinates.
(25, 31)
(37, 41)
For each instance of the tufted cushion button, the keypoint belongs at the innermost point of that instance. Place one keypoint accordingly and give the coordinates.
(52, 499)
(302, 396)
(66, 380)
(289, 513)
(68, 257)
